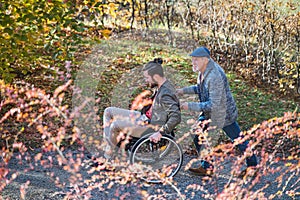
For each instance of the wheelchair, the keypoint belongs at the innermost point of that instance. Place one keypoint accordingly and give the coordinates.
(164, 158)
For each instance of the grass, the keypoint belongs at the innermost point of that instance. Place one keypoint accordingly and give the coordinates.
(118, 78)
(255, 105)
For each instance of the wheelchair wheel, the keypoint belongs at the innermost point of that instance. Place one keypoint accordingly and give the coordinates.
(158, 160)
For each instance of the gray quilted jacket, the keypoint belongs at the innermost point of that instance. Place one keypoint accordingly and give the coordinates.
(216, 100)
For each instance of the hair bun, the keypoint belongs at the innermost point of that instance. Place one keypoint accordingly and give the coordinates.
(158, 60)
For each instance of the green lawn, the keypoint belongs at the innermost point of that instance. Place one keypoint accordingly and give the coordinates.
(255, 105)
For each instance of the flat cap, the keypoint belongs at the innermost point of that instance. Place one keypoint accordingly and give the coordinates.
(201, 52)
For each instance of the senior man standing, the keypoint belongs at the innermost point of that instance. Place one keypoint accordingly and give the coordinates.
(216, 103)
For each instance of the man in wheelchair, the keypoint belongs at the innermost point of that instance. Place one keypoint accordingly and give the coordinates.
(159, 117)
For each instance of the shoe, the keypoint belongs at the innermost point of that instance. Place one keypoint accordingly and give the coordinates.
(200, 171)
(248, 172)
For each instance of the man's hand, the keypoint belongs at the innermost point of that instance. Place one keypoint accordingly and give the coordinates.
(184, 106)
(179, 92)
(155, 137)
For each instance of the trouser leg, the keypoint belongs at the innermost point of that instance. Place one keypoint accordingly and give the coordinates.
(112, 114)
(197, 144)
(117, 122)
(125, 127)
(206, 142)
(233, 131)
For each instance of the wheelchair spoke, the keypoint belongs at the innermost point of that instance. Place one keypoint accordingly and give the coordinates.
(164, 157)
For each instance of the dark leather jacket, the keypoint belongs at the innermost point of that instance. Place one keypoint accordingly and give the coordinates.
(166, 108)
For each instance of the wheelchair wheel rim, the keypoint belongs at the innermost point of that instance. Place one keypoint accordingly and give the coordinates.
(165, 160)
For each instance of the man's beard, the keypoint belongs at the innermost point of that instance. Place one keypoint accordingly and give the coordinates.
(153, 85)
(195, 68)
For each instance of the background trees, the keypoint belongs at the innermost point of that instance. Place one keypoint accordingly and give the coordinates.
(260, 39)
(256, 38)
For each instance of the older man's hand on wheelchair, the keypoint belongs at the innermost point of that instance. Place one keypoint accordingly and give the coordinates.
(155, 137)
